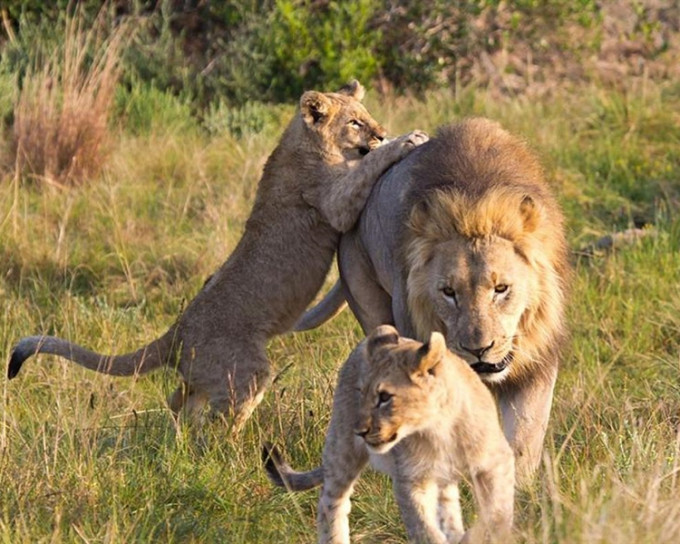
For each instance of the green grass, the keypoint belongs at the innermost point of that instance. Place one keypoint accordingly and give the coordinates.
(90, 458)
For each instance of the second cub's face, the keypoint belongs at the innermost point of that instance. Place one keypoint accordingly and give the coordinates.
(399, 388)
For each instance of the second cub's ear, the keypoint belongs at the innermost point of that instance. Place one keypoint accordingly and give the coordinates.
(314, 107)
(382, 336)
(354, 89)
(431, 353)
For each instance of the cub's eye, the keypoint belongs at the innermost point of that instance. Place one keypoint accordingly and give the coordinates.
(501, 288)
(449, 292)
(384, 397)
(354, 123)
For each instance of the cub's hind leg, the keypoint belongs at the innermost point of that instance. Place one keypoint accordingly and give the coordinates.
(237, 387)
(187, 402)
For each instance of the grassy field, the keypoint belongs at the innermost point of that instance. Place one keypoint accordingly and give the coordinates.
(110, 263)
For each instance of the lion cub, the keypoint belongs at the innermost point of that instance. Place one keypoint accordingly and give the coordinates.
(420, 414)
(313, 188)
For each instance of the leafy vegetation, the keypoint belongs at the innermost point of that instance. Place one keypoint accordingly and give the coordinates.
(270, 50)
(109, 262)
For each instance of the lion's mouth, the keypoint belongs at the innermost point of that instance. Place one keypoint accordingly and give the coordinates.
(492, 368)
(364, 151)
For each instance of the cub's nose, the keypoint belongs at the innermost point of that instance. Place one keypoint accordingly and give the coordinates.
(361, 432)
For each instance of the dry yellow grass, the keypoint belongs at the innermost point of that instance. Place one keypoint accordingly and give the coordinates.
(60, 131)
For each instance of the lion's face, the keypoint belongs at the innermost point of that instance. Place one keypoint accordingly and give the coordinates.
(483, 270)
(479, 289)
(399, 390)
(341, 123)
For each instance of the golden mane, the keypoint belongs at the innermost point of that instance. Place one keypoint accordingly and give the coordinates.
(521, 212)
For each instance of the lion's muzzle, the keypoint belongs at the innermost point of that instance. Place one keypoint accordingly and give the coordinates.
(492, 368)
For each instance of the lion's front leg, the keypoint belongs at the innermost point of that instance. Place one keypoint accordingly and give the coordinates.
(369, 302)
(342, 199)
(494, 487)
(525, 413)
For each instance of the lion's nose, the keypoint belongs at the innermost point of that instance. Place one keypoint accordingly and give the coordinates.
(477, 352)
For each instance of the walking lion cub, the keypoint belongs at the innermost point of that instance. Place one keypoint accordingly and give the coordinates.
(420, 414)
(313, 188)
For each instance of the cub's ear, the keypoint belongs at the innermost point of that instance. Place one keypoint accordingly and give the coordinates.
(314, 107)
(382, 336)
(430, 354)
(353, 89)
(530, 211)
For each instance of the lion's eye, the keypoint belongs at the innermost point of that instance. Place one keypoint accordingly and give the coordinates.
(500, 288)
(384, 397)
(354, 123)
(449, 292)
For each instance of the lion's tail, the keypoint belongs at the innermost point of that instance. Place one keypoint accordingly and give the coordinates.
(151, 356)
(282, 475)
(331, 305)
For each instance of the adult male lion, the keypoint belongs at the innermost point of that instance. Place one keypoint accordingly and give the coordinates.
(313, 187)
(463, 237)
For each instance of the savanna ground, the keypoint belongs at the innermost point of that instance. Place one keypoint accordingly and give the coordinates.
(111, 262)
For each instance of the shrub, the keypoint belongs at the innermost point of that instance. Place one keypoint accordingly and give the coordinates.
(60, 132)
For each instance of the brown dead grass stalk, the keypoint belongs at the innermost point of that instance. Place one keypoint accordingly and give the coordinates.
(60, 132)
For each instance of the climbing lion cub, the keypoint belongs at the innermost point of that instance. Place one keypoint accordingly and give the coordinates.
(422, 415)
(313, 188)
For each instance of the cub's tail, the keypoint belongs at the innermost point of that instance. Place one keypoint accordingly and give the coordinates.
(151, 356)
(282, 475)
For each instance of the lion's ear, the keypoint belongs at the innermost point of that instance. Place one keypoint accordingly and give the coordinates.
(431, 354)
(530, 212)
(353, 89)
(314, 107)
(382, 336)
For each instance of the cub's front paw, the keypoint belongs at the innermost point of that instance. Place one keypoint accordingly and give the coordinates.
(415, 138)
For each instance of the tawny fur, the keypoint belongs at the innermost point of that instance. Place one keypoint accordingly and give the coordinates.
(469, 215)
(313, 187)
(420, 414)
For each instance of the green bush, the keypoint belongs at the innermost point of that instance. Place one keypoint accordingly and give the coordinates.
(320, 47)
(250, 118)
(143, 108)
